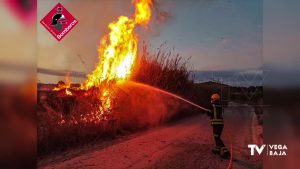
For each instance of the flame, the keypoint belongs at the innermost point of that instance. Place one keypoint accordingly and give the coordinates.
(66, 86)
(142, 11)
(118, 49)
(68, 92)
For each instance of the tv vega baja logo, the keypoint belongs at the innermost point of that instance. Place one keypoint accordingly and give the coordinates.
(270, 149)
(59, 22)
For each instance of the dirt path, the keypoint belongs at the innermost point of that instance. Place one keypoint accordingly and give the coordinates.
(185, 144)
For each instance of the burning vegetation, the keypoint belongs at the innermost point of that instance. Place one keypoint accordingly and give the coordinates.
(86, 115)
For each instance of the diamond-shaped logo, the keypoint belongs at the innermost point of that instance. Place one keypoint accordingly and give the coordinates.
(59, 22)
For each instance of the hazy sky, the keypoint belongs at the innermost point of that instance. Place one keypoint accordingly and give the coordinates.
(216, 34)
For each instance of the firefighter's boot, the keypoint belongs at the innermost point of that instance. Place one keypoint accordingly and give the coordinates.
(224, 153)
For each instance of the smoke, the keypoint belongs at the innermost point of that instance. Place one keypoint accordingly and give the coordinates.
(161, 14)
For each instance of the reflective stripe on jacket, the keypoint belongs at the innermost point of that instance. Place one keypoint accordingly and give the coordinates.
(216, 114)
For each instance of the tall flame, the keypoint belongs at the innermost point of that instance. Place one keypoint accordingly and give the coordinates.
(118, 49)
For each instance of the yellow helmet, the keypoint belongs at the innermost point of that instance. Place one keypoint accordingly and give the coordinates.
(215, 97)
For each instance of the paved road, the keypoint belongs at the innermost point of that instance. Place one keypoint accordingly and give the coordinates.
(185, 144)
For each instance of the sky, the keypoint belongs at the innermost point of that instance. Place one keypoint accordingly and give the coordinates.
(217, 35)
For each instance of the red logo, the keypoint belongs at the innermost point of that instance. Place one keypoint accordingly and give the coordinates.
(59, 22)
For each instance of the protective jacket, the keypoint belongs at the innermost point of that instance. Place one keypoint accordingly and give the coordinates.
(216, 114)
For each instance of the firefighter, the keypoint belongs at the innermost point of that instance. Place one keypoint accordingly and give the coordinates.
(216, 118)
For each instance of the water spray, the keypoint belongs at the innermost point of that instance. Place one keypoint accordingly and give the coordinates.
(169, 94)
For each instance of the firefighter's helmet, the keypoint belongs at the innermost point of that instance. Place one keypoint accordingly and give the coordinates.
(215, 97)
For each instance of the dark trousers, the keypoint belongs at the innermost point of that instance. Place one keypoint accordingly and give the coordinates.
(217, 129)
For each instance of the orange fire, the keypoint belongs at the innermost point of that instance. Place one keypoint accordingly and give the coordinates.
(68, 92)
(118, 49)
(66, 86)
